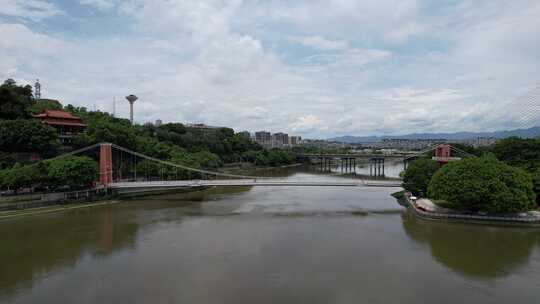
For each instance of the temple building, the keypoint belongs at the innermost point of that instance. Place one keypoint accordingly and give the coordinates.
(66, 123)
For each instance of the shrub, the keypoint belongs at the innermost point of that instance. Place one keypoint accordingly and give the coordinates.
(73, 171)
(20, 177)
(483, 184)
(418, 175)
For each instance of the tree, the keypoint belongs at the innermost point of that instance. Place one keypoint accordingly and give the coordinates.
(20, 176)
(483, 184)
(536, 185)
(23, 135)
(45, 104)
(469, 149)
(7, 160)
(519, 152)
(15, 100)
(207, 159)
(73, 171)
(107, 131)
(418, 175)
(279, 157)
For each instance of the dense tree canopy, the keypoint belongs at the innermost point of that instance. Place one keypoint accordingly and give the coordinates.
(418, 175)
(536, 184)
(73, 171)
(518, 152)
(194, 147)
(27, 135)
(15, 100)
(45, 104)
(20, 176)
(483, 184)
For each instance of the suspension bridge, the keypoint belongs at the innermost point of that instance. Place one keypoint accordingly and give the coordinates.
(124, 170)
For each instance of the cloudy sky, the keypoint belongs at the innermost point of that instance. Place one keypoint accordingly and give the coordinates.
(309, 67)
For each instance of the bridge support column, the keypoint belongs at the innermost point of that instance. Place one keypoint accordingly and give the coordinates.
(105, 164)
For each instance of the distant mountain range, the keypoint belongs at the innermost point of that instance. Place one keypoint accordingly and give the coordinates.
(524, 133)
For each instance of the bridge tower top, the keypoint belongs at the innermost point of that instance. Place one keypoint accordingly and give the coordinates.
(443, 154)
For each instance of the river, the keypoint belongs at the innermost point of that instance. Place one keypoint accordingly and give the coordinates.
(264, 245)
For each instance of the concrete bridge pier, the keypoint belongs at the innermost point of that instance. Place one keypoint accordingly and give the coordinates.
(348, 165)
(326, 164)
(376, 166)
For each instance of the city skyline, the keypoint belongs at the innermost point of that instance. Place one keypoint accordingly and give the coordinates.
(318, 69)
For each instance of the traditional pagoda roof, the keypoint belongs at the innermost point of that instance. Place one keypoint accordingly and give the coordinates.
(57, 114)
(59, 117)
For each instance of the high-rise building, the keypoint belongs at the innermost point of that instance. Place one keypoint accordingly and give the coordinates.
(280, 139)
(263, 138)
(294, 140)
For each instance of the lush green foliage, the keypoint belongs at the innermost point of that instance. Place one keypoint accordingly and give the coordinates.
(273, 157)
(523, 153)
(22, 176)
(15, 100)
(174, 142)
(536, 184)
(73, 171)
(23, 135)
(45, 104)
(469, 149)
(201, 148)
(7, 160)
(518, 152)
(483, 184)
(418, 175)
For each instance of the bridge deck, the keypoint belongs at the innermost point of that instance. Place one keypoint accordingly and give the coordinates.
(236, 183)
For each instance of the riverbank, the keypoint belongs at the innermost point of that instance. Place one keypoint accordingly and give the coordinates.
(6, 215)
(74, 200)
(427, 210)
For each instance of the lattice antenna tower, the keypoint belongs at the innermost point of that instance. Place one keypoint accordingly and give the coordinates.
(37, 89)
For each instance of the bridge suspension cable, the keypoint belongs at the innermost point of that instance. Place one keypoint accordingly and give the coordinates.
(171, 164)
(462, 151)
(74, 152)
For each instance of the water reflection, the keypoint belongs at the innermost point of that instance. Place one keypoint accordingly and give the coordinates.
(36, 246)
(262, 245)
(474, 250)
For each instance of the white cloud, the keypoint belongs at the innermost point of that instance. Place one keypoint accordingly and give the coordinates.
(403, 33)
(230, 63)
(22, 47)
(35, 10)
(99, 4)
(307, 123)
(320, 43)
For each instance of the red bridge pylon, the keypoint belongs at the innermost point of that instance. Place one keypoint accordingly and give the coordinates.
(105, 164)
